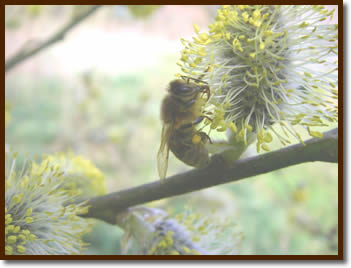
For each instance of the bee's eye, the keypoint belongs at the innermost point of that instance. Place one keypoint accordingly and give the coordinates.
(181, 89)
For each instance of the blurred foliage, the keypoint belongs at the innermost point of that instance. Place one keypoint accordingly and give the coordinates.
(34, 10)
(7, 113)
(113, 120)
(17, 16)
(152, 231)
(82, 178)
(140, 11)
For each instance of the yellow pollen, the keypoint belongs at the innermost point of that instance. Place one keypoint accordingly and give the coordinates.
(245, 16)
(196, 139)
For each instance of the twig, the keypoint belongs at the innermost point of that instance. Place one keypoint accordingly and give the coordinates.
(24, 54)
(318, 149)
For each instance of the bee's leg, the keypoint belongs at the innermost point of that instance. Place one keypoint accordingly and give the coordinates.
(203, 117)
(190, 103)
(204, 135)
(195, 122)
(206, 90)
(200, 119)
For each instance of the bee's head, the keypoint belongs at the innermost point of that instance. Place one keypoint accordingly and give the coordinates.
(183, 90)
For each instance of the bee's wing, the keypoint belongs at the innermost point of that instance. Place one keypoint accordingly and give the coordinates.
(163, 152)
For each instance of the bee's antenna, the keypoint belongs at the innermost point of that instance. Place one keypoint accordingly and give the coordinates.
(199, 79)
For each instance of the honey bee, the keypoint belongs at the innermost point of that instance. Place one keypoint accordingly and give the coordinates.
(181, 110)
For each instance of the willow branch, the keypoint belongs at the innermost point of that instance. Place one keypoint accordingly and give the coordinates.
(317, 149)
(25, 53)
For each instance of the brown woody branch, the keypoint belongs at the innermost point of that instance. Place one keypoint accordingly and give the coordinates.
(25, 53)
(317, 149)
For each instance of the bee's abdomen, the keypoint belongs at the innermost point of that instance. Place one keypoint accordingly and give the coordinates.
(194, 155)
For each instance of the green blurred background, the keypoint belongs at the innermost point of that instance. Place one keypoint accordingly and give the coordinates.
(98, 93)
